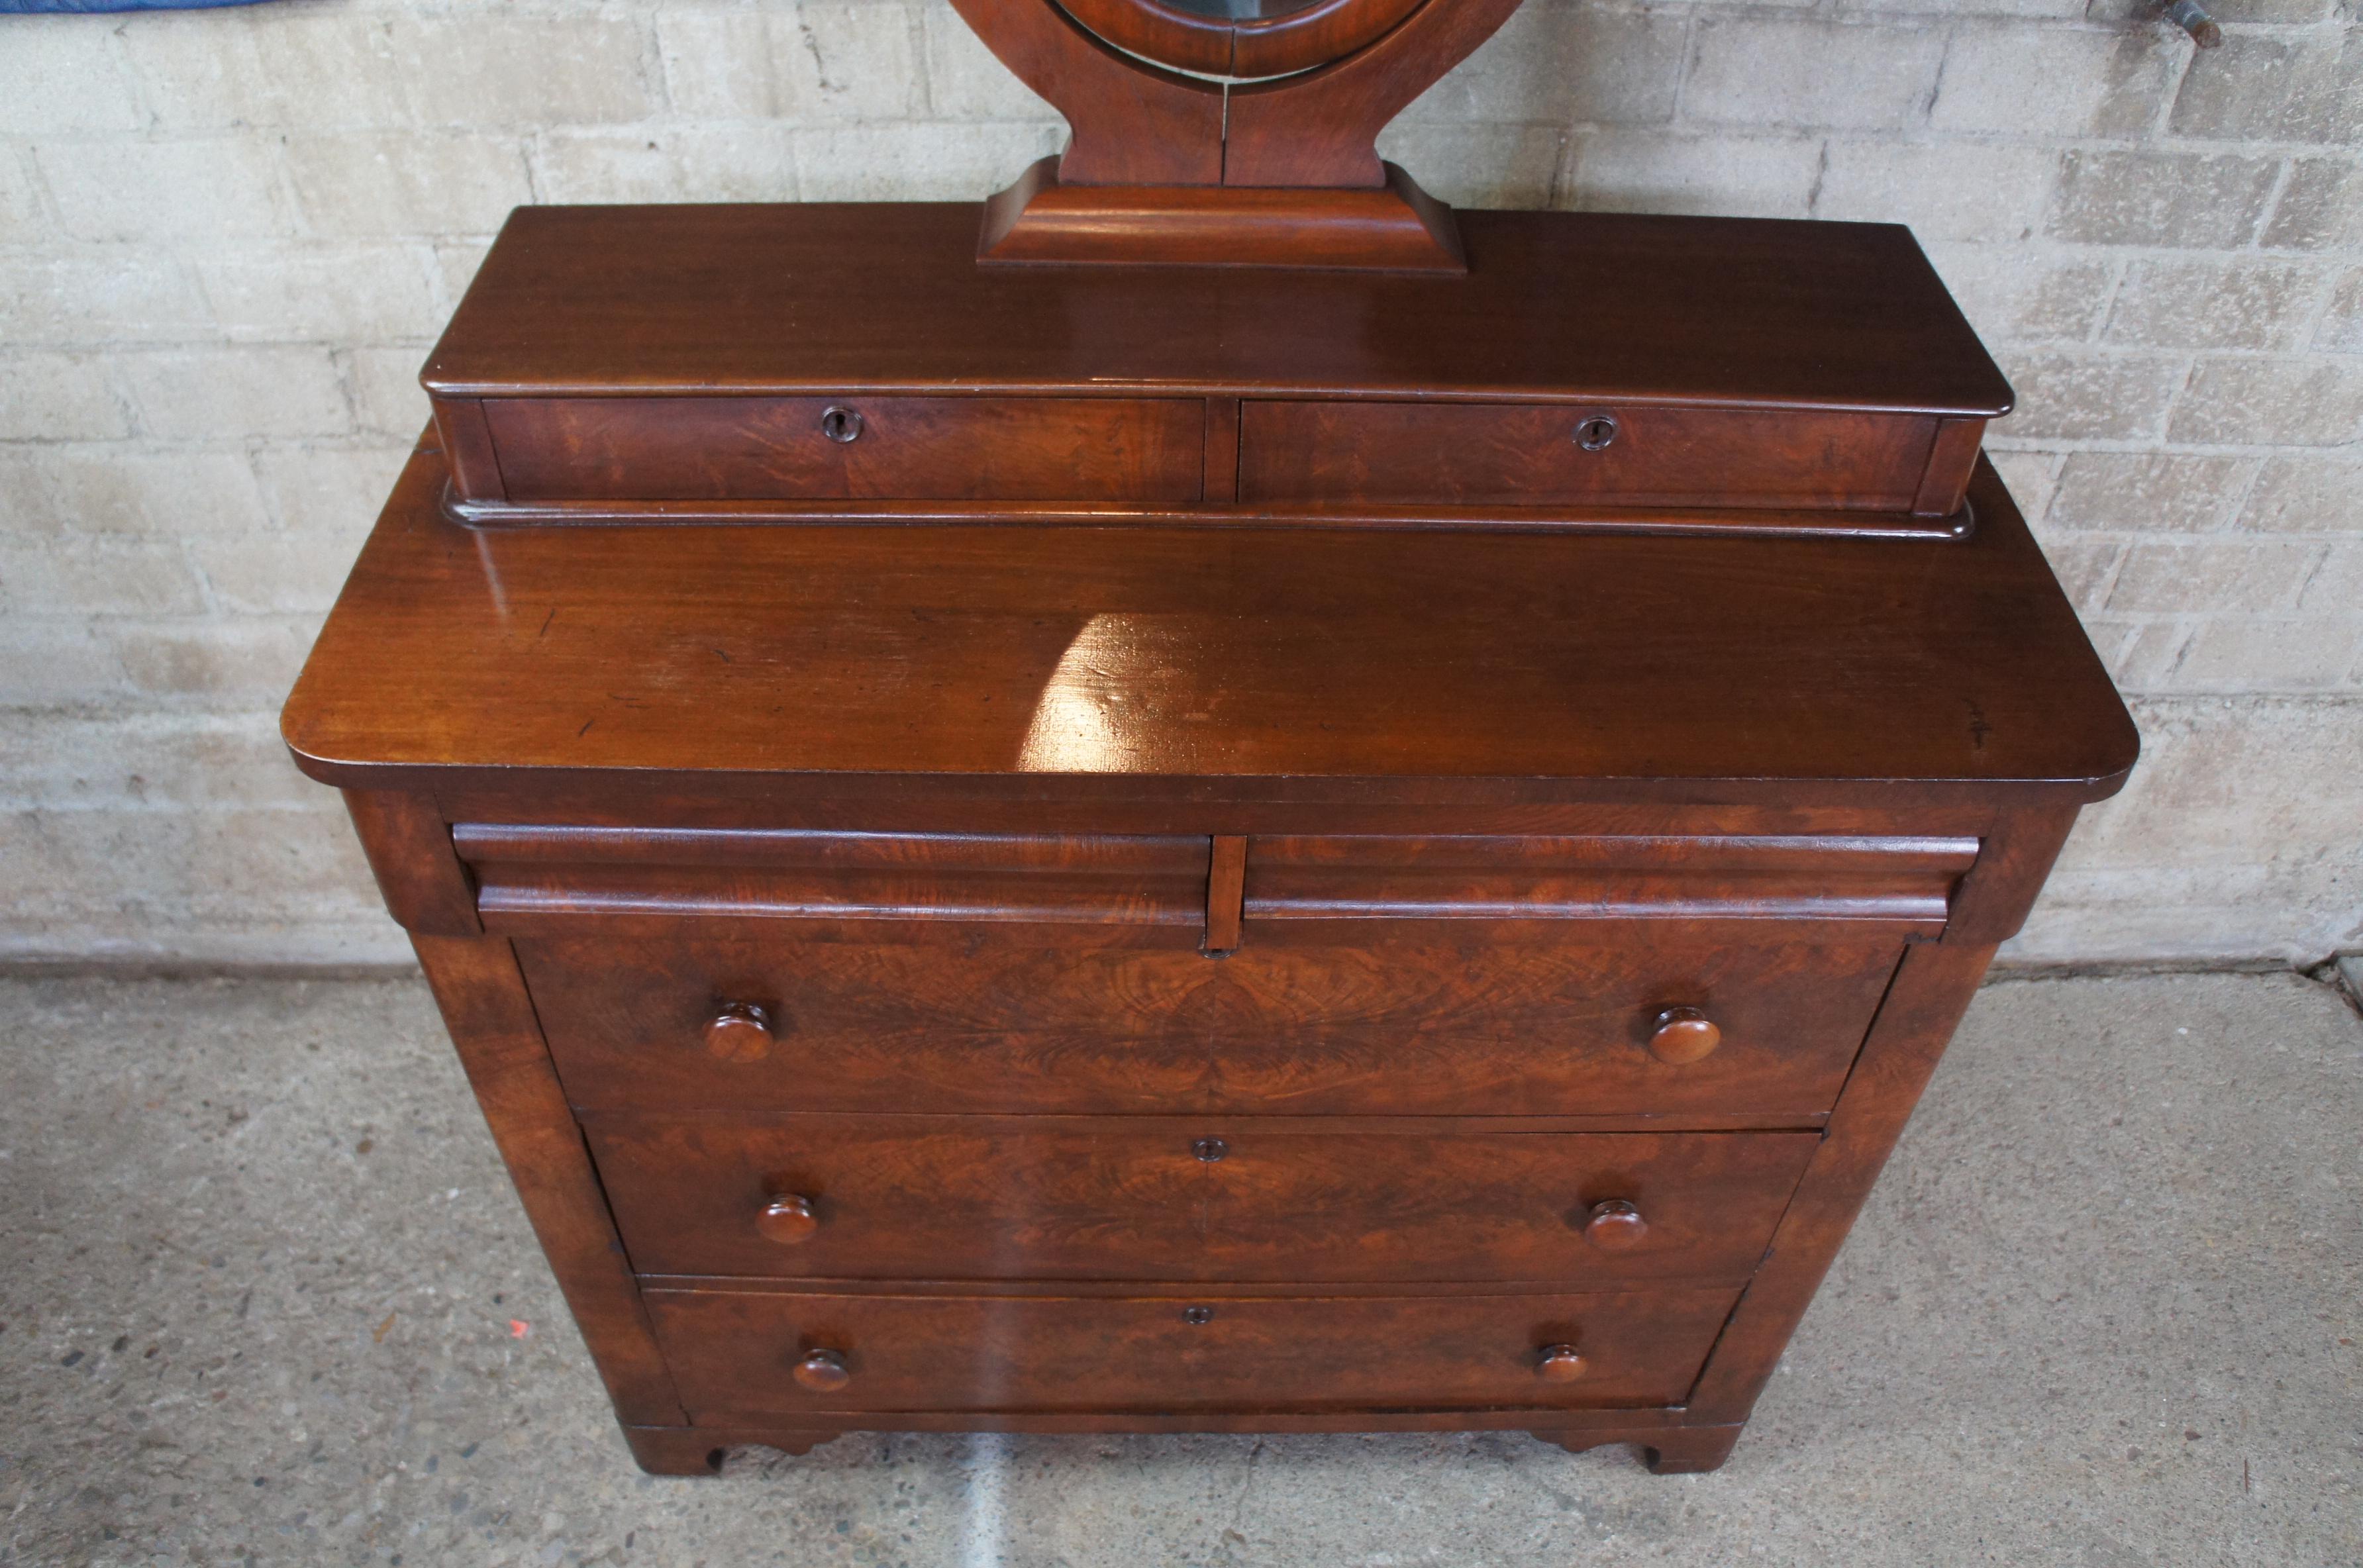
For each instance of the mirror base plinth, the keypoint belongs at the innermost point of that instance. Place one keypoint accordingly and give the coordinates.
(1393, 227)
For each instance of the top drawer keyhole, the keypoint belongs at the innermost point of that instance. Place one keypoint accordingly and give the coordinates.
(841, 424)
(1594, 433)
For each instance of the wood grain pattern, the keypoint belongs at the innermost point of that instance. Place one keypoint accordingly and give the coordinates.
(466, 438)
(1012, 1198)
(1226, 892)
(1307, 885)
(1951, 461)
(646, 301)
(1066, 970)
(1527, 454)
(1077, 659)
(2015, 857)
(1409, 807)
(523, 872)
(427, 889)
(1222, 483)
(1393, 227)
(1454, 1022)
(734, 1352)
(1166, 139)
(1304, 888)
(1163, 35)
(723, 449)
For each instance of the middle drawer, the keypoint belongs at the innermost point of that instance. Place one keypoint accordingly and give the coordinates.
(1158, 1198)
(1393, 1018)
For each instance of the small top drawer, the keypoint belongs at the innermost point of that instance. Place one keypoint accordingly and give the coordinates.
(790, 449)
(1533, 454)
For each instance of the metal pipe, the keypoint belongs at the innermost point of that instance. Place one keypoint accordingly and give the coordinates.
(2192, 18)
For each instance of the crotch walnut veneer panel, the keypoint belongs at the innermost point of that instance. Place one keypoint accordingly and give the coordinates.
(984, 1020)
(1476, 975)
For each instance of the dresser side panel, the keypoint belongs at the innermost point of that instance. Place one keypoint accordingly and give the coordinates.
(1923, 1005)
(484, 1005)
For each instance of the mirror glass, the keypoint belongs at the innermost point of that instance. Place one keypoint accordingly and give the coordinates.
(1239, 10)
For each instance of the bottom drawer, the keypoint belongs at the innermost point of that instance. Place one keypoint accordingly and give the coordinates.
(751, 1353)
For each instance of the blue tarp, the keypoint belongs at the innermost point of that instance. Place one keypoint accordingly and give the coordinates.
(53, 5)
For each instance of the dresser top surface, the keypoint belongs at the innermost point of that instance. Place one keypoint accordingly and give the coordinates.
(1142, 656)
(876, 297)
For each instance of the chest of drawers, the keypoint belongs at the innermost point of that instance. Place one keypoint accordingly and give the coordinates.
(1168, 945)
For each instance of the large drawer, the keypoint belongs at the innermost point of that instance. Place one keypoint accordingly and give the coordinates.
(1207, 1199)
(934, 449)
(741, 1353)
(1394, 1018)
(1641, 456)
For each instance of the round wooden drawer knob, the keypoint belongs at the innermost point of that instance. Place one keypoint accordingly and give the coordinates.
(1560, 1363)
(821, 1370)
(1615, 1225)
(739, 1032)
(787, 1220)
(1683, 1034)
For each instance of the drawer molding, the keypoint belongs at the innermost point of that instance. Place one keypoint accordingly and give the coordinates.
(1589, 517)
(1231, 888)
(525, 871)
(1910, 881)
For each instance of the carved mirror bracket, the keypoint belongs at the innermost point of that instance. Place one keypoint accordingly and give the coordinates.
(1226, 132)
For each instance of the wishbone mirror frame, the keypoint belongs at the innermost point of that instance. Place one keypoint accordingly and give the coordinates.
(1243, 48)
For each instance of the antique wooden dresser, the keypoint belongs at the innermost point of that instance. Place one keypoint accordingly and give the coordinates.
(1086, 849)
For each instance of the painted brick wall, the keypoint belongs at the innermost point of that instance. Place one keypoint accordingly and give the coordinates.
(228, 237)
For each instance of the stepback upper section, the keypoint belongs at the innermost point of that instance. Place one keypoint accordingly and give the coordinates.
(784, 363)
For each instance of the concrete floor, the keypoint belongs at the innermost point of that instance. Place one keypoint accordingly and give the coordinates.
(268, 1298)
